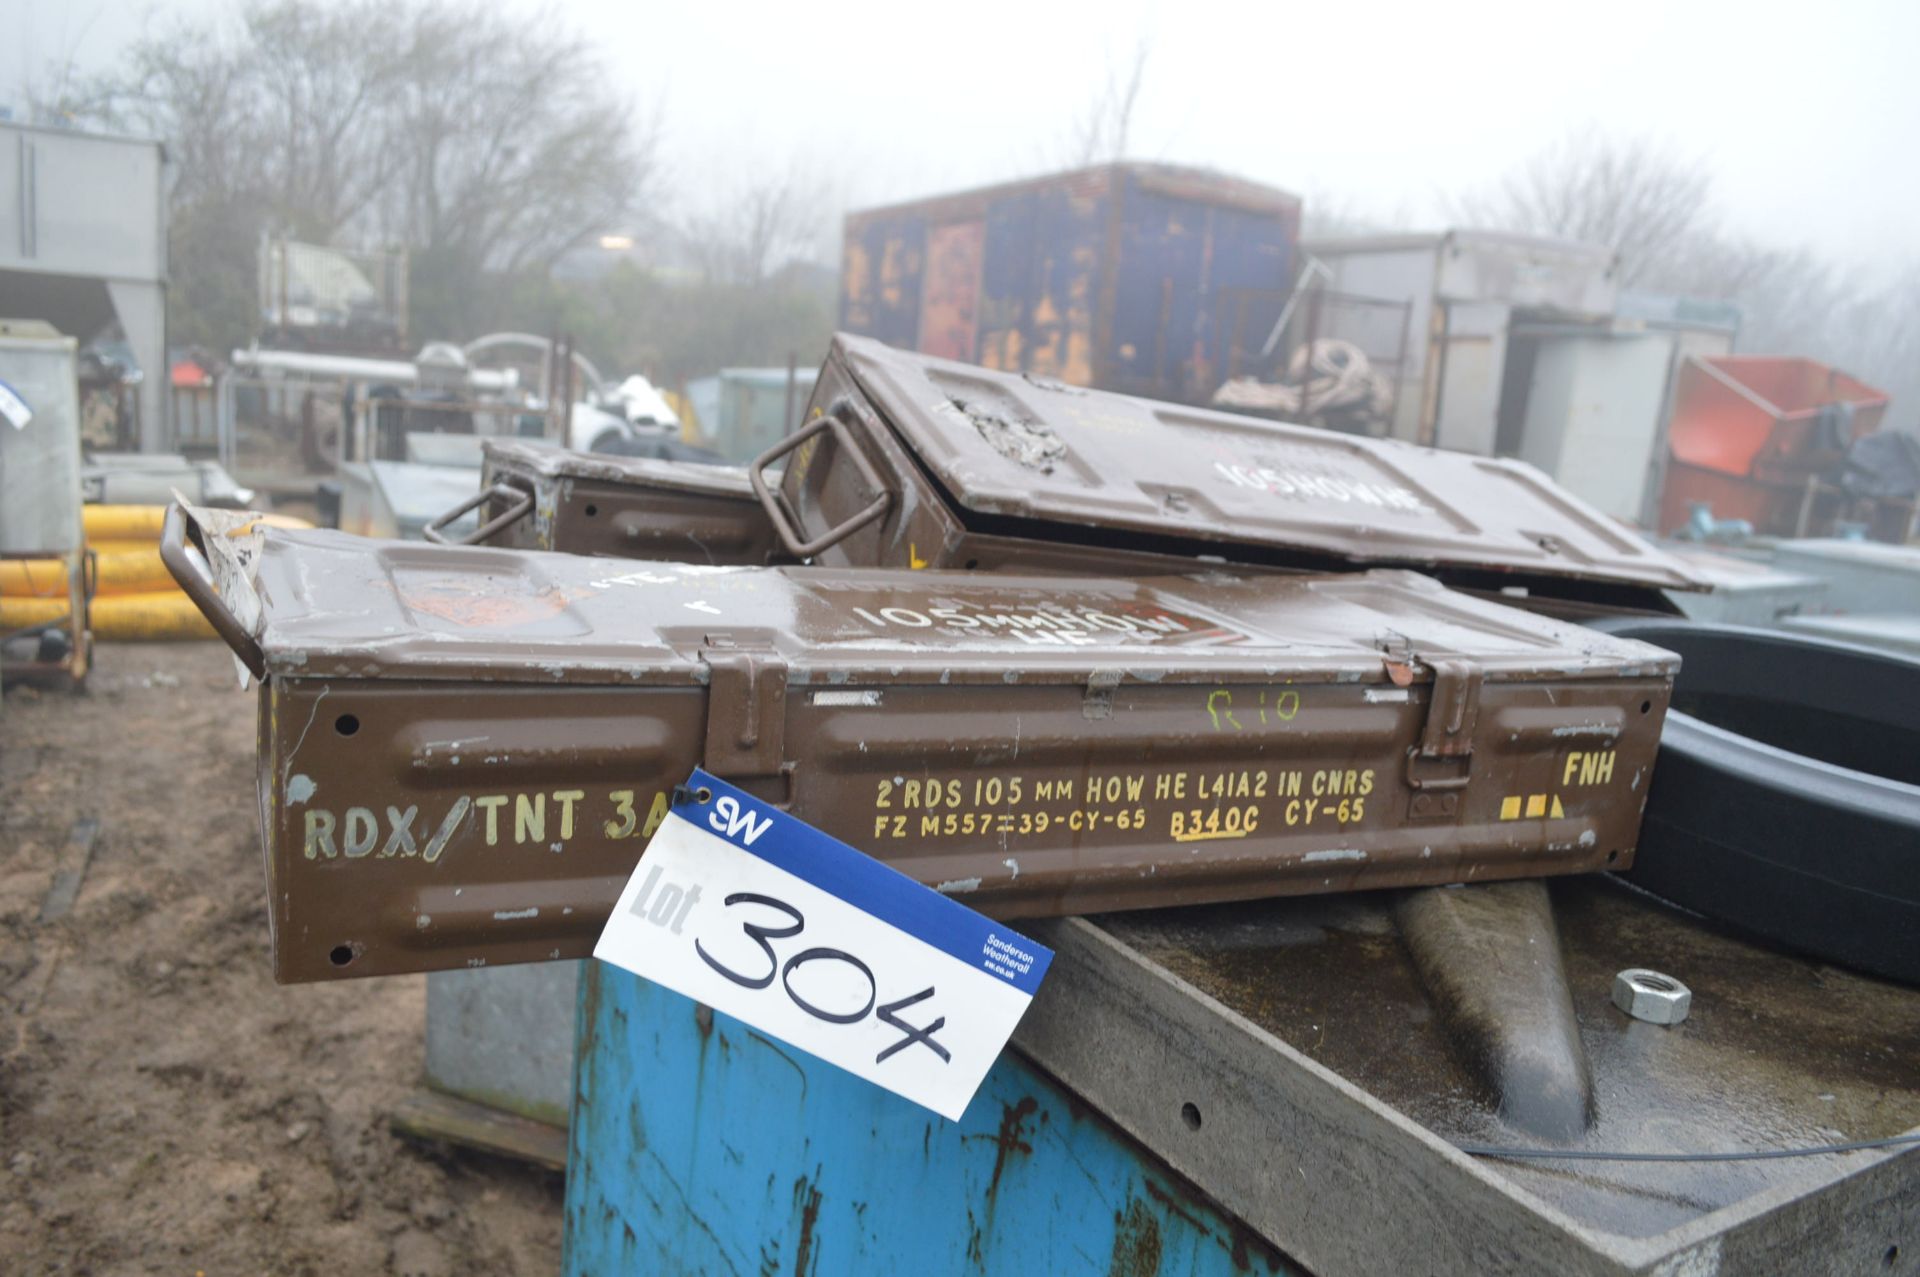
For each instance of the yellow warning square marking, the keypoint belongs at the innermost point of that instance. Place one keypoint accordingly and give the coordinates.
(1510, 807)
(1536, 805)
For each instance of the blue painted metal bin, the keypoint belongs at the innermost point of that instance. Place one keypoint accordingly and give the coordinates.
(702, 1146)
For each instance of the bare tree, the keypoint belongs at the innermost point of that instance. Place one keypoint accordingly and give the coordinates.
(1655, 207)
(766, 221)
(483, 138)
(517, 148)
(1635, 195)
(287, 107)
(1100, 133)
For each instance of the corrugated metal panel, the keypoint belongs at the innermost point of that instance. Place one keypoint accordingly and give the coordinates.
(1006, 281)
(1163, 246)
(950, 299)
(1067, 267)
(880, 276)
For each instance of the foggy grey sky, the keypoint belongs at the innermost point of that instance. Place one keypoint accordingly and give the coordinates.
(1807, 114)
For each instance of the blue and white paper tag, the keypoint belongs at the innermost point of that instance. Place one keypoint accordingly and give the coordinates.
(13, 408)
(758, 914)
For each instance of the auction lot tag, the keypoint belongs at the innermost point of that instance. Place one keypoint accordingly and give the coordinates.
(758, 914)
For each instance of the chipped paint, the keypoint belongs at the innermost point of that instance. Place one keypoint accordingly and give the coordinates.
(853, 699)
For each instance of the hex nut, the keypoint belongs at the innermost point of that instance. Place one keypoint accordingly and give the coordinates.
(1651, 996)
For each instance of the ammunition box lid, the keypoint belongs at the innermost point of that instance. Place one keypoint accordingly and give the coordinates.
(1017, 453)
(327, 604)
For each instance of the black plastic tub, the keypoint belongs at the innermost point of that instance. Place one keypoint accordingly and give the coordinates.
(1786, 797)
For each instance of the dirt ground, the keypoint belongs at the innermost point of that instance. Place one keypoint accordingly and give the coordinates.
(165, 1107)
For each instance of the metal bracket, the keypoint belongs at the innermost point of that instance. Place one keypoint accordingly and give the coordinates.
(1098, 702)
(746, 705)
(1444, 757)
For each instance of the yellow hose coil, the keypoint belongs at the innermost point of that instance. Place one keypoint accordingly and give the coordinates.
(120, 545)
(123, 521)
(142, 522)
(17, 614)
(165, 614)
(33, 579)
(137, 571)
(162, 614)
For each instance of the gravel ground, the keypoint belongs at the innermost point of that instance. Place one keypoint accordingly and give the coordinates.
(165, 1107)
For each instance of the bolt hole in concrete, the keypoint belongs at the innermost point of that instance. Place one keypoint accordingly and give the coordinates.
(341, 955)
(347, 724)
(1190, 1114)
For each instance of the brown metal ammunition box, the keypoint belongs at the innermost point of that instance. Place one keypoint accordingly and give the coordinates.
(464, 750)
(911, 461)
(547, 498)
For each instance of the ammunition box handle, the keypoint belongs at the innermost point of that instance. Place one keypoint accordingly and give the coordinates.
(776, 510)
(173, 553)
(519, 503)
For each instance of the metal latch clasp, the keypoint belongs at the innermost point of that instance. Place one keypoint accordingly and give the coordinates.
(746, 705)
(1444, 757)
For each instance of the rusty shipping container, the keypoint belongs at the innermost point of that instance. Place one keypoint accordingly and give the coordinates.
(539, 497)
(463, 750)
(911, 461)
(1132, 277)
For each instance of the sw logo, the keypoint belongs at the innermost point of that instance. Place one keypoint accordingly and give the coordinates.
(730, 819)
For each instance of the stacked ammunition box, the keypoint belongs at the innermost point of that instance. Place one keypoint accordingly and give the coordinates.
(1046, 649)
